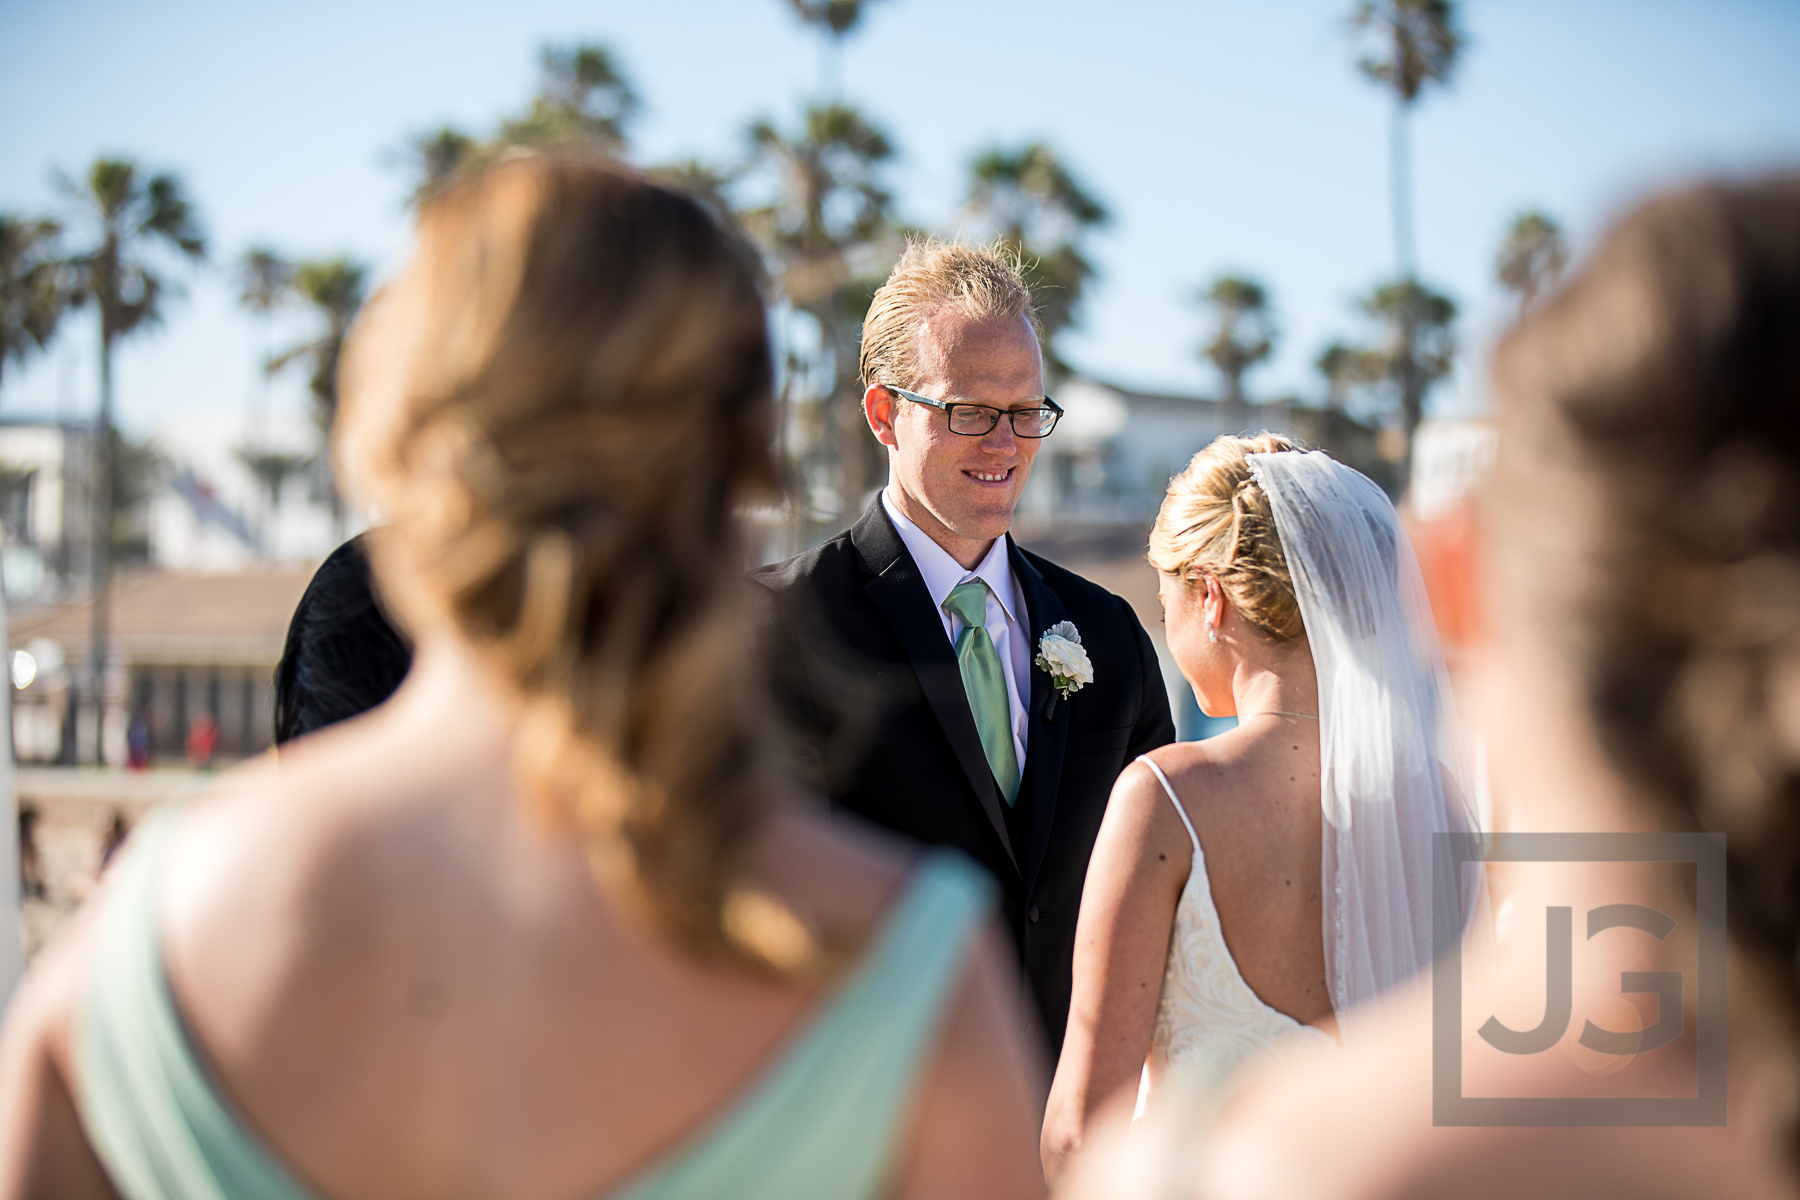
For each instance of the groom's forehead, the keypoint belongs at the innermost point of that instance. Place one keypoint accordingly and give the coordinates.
(988, 352)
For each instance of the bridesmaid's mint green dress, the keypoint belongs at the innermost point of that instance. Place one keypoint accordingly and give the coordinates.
(822, 1123)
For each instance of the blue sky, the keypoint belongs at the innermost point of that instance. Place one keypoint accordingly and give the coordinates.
(1222, 136)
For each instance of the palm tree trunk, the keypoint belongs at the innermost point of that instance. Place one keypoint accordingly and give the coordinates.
(1401, 162)
(101, 560)
(1411, 397)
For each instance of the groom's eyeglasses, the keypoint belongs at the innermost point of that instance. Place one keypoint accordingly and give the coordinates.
(977, 420)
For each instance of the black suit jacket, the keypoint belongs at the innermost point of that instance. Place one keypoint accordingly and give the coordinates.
(870, 687)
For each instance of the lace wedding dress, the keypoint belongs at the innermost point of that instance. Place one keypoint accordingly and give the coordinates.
(1209, 1022)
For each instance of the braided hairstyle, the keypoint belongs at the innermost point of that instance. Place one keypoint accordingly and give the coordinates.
(1215, 521)
(556, 409)
(1646, 509)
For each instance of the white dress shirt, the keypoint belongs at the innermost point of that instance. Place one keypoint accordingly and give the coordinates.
(1005, 609)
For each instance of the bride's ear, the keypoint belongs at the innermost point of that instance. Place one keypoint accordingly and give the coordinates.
(1212, 603)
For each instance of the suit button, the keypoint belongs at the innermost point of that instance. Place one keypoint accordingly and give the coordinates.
(1033, 914)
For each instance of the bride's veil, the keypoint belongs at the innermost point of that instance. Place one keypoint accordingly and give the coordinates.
(1392, 773)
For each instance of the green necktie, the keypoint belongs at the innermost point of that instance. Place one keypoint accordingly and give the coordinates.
(985, 683)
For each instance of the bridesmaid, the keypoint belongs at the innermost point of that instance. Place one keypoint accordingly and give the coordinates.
(548, 924)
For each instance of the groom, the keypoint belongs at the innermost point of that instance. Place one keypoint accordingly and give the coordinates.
(930, 618)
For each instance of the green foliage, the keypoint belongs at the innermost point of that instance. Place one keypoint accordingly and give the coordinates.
(1415, 42)
(1029, 201)
(133, 219)
(826, 230)
(828, 195)
(835, 17)
(1244, 333)
(439, 157)
(334, 288)
(263, 279)
(273, 469)
(1347, 367)
(583, 99)
(1532, 258)
(1418, 344)
(35, 287)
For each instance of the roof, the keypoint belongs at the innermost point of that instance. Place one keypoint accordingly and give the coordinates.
(157, 617)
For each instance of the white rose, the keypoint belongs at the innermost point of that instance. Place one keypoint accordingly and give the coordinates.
(1065, 659)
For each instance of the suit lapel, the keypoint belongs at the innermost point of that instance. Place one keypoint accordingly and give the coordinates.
(1040, 784)
(898, 593)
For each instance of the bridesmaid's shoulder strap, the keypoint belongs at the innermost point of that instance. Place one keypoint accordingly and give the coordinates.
(1170, 789)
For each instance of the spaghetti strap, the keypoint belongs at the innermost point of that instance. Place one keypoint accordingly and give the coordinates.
(1179, 811)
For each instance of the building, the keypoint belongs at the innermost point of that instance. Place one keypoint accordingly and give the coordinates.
(1114, 452)
(46, 508)
(184, 649)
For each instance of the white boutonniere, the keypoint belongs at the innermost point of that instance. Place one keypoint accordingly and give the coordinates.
(1061, 656)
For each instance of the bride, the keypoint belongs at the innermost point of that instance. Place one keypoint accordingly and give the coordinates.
(1259, 891)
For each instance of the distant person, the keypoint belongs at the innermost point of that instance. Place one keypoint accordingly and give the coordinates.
(549, 924)
(1275, 880)
(1639, 548)
(31, 858)
(1005, 694)
(343, 655)
(117, 830)
(137, 742)
(202, 741)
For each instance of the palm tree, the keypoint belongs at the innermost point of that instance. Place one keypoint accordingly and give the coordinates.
(1243, 336)
(835, 19)
(34, 286)
(1415, 43)
(265, 280)
(1346, 367)
(1532, 258)
(825, 232)
(134, 217)
(583, 98)
(334, 288)
(437, 158)
(1032, 203)
(272, 469)
(1418, 347)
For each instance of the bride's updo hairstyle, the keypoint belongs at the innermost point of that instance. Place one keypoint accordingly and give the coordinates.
(1215, 521)
(554, 410)
(1645, 511)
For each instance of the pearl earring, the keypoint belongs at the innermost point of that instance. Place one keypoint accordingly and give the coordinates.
(1211, 634)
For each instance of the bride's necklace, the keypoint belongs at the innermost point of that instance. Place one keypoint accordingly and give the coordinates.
(1282, 712)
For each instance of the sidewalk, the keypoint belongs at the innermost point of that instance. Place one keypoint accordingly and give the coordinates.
(76, 807)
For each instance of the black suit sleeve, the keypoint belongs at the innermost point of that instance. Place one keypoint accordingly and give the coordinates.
(787, 682)
(1155, 724)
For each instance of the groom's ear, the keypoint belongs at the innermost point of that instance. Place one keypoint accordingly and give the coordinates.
(880, 407)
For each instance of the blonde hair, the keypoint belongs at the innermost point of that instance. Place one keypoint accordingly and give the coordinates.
(1215, 521)
(555, 409)
(931, 275)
